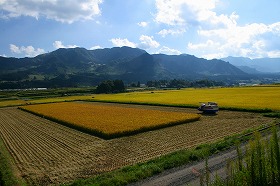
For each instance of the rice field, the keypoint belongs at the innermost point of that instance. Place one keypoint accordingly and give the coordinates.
(109, 120)
(260, 97)
(46, 153)
(240, 98)
(22, 101)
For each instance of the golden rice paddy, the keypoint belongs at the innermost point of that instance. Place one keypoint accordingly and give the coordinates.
(17, 102)
(259, 97)
(109, 119)
(241, 97)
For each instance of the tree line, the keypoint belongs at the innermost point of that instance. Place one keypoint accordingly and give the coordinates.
(117, 86)
(110, 86)
(180, 83)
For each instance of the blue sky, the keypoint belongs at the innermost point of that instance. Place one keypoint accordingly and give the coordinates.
(204, 28)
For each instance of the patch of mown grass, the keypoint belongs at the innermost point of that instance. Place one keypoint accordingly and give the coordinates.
(134, 173)
(7, 172)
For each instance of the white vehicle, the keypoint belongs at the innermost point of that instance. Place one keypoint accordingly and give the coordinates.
(209, 107)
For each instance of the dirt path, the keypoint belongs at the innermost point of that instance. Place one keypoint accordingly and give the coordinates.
(47, 153)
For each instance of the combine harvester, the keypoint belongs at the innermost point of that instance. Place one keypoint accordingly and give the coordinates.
(209, 108)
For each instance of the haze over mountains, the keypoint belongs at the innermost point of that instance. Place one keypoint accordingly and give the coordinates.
(82, 67)
(260, 65)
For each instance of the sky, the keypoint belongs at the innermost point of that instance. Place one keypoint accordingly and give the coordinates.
(204, 28)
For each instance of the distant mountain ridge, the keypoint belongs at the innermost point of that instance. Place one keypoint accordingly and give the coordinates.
(189, 65)
(82, 67)
(260, 65)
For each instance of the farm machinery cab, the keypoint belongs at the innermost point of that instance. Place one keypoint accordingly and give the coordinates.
(209, 108)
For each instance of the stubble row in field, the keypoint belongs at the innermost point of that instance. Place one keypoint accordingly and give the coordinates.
(48, 153)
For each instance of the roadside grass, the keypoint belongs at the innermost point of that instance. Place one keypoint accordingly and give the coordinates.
(259, 165)
(134, 173)
(7, 169)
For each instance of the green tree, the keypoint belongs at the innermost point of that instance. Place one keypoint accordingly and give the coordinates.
(109, 86)
(104, 87)
(118, 86)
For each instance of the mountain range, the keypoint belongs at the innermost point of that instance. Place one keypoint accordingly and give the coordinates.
(82, 67)
(255, 66)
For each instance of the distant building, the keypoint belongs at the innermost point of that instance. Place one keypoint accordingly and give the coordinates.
(242, 84)
(143, 85)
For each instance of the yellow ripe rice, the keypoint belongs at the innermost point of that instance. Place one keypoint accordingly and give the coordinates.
(109, 119)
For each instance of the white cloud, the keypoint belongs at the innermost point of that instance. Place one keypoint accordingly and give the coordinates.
(252, 40)
(28, 51)
(58, 44)
(95, 47)
(59, 10)
(143, 24)
(122, 42)
(169, 12)
(200, 46)
(181, 12)
(219, 35)
(192, 13)
(169, 51)
(208, 50)
(275, 28)
(274, 54)
(166, 32)
(14, 49)
(148, 42)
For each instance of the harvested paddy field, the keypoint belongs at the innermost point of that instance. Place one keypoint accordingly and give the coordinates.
(48, 153)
